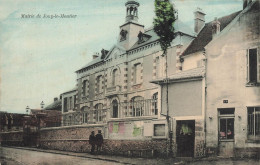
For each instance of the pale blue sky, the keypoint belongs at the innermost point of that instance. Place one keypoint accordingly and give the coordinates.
(39, 57)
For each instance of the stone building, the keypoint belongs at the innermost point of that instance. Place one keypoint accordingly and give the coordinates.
(114, 90)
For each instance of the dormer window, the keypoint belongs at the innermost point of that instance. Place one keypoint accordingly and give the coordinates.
(123, 34)
(140, 37)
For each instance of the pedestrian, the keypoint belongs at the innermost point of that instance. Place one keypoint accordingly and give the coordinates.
(99, 141)
(92, 141)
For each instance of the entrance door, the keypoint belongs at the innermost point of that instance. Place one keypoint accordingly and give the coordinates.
(185, 137)
(226, 132)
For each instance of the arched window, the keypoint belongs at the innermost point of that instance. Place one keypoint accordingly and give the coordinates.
(98, 112)
(114, 109)
(137, 104)
(155, 104)
(114, 77)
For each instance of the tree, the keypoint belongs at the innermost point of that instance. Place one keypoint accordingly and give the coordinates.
(164, 28)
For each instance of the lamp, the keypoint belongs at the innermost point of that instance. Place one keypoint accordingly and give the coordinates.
(42, 105)
(27, 109)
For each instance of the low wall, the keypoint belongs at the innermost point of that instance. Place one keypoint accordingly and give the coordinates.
(75, 138)
(12, 138)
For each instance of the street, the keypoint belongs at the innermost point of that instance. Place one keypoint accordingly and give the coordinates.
(15, 156)
(18, 156)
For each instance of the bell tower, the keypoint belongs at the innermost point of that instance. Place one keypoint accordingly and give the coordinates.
(129, 31)
(131, 11)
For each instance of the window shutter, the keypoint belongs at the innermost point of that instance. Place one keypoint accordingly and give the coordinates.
(247, 65)
(258, 66)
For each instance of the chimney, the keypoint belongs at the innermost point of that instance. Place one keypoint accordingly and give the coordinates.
(215, 27)
(199, 20)
(95, 56)
(55, 99)
(244, 4)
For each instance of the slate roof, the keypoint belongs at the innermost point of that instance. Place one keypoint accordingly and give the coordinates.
(205, 35)
(56, 105)
(187, 74)
(73, 89)
(150, 35)
(178, 25)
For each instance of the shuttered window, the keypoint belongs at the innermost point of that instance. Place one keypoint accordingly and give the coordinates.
(253, 66)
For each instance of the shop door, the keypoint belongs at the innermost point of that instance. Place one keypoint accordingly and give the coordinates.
(185, 137)
(226, 132)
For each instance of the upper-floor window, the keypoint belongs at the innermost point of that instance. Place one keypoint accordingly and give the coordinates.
(70, 104)
(155, 104)
(85, 87)
(74, 101)
(253, 66)
(99, 84)
(65, 105)
(137, 73)
(253, 123)
(114, 77)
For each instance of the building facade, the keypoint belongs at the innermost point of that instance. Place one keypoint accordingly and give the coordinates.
(233, 92)
(212, 85)
(214, 100)
(114, 89)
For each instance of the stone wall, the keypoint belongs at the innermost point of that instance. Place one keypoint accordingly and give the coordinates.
(12, 138)
(76, 139)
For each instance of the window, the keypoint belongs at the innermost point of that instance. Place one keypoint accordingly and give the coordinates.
(65, 106)
(159, 130)
(98, 112)
(155, 104)
(253, 123)
(114, 77)
(74, 105)
(70, 104)
(99, 84)
(85, 87)
(137, 105)
(85, 117)
(115, 109)
(253, 66)
(137, 73)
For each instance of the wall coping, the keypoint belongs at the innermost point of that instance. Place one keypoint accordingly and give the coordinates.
(73, 126)
(11, 132)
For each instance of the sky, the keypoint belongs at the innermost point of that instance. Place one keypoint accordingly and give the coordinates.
(39, 56)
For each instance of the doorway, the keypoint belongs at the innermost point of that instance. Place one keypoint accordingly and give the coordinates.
(185, 137)
(226, 132)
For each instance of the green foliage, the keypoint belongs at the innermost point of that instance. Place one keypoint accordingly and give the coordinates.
(163, 22)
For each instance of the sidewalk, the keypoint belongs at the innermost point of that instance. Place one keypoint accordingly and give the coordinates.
(150, 161)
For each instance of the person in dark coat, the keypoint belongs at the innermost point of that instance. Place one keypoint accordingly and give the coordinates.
(99, 141)
(92, 141)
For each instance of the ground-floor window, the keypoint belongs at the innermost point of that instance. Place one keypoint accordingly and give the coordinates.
(85, 117)
(98, 113)
(159, 130)
(253, 123)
